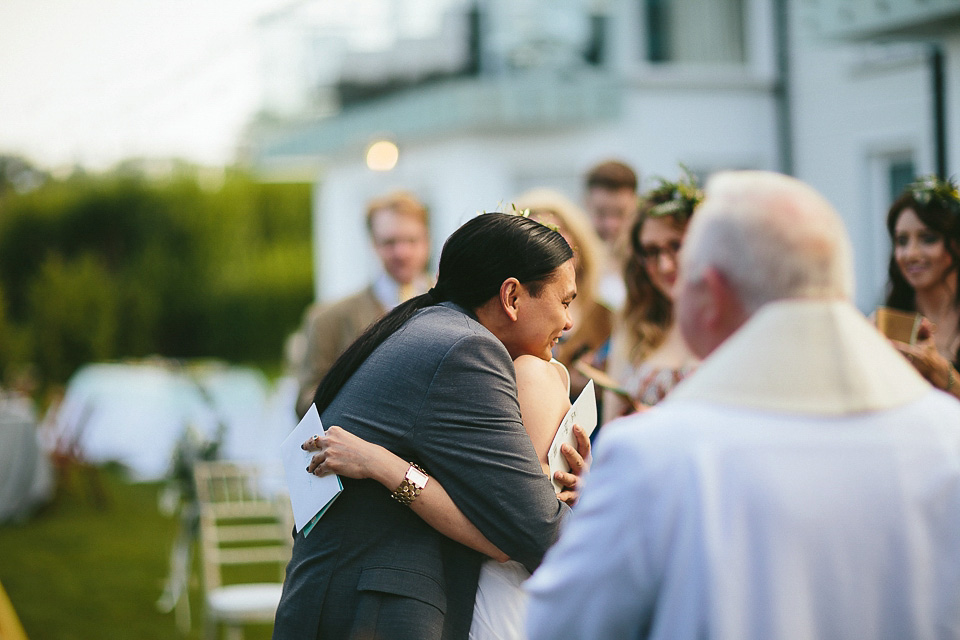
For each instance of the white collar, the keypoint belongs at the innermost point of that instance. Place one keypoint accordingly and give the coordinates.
(387, 291)
(805, 356)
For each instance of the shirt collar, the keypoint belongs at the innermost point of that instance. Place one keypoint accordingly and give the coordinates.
(387, 291)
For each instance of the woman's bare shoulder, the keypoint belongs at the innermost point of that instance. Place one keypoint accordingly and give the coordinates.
(531, 369)
(542, 393)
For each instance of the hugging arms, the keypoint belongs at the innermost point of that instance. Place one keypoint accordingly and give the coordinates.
(542, 395)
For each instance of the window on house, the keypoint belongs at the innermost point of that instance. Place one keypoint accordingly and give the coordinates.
(693, 31)
(889, 171)
(900, 173)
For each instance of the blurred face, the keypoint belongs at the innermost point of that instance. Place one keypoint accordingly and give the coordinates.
(660, 241)
(609, 209)
(401, 243)
(920, 253)
(541, 320)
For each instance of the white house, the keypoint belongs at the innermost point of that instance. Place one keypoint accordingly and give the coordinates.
(875, 100)
(507, 95)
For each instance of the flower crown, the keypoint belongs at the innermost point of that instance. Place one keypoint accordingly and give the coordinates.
(683, 196)
(930, 189)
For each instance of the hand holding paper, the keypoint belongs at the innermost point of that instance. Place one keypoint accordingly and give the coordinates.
(310, 495)
(583, 412)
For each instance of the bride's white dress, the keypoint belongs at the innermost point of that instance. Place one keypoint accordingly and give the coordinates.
(499, 612)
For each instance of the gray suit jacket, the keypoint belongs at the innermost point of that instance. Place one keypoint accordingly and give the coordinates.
(440, 392)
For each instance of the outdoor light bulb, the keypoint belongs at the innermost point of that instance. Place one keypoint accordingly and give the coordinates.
(382, 156)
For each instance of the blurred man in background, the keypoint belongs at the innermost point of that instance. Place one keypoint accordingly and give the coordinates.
(399, 230)
(610, 201)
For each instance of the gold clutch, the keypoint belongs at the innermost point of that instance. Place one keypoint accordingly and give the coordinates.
(898, 325)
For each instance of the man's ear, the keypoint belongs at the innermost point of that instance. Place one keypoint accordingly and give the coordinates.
(713, 294)
(509, 297)
(723, 312)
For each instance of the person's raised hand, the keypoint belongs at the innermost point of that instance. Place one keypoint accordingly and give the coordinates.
(925, 358)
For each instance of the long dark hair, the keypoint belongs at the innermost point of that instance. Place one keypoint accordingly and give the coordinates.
(940, 215)
(648, 313)
(475, 261)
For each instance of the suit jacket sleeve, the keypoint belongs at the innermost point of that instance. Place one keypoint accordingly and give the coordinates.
(471, 438)
(320, 353)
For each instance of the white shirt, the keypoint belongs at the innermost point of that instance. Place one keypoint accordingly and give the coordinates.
(389, 293)
(722, 514)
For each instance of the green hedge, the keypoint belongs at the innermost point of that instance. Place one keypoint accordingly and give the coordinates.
(116, 266)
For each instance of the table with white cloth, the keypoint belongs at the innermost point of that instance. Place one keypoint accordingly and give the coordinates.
(26, 476)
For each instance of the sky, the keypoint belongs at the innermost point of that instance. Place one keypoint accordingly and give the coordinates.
(93, 82)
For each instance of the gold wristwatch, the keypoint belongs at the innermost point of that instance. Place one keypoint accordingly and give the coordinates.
(413, 483)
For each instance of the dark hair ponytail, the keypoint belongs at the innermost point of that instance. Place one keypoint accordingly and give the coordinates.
(475, 261)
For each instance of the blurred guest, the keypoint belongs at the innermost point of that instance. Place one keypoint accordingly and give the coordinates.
(610, 200)
(648, 355)
(924, 226)
(592, 321)
(399, 231)
(804, 482)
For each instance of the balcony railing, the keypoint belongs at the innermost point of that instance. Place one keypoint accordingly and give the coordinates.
(904, 19)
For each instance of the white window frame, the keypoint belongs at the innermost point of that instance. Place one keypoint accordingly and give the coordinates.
(628, 51)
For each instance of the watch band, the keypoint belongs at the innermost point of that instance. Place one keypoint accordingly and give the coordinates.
(413, 483)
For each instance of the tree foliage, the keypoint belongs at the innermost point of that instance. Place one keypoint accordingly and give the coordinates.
(117, 265)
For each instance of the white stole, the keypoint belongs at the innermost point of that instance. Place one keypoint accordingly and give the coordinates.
(806, 357)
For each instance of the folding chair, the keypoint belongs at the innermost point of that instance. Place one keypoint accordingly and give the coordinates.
(244, 537)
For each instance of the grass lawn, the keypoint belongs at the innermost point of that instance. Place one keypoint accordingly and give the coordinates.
(76, 571)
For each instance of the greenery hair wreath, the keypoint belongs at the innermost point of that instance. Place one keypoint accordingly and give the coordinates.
(932, 190)
(682, 197)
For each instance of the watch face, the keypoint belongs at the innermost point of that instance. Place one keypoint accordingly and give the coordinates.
(417, 477)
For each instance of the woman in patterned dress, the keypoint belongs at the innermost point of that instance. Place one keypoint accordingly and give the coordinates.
(648, 356)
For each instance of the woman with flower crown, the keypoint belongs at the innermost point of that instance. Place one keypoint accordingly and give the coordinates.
(924, 227)
(648, 356)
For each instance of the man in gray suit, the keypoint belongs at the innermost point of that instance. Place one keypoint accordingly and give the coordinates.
(434, 383)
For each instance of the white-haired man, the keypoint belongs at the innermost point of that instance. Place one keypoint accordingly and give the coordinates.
(803, 483)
